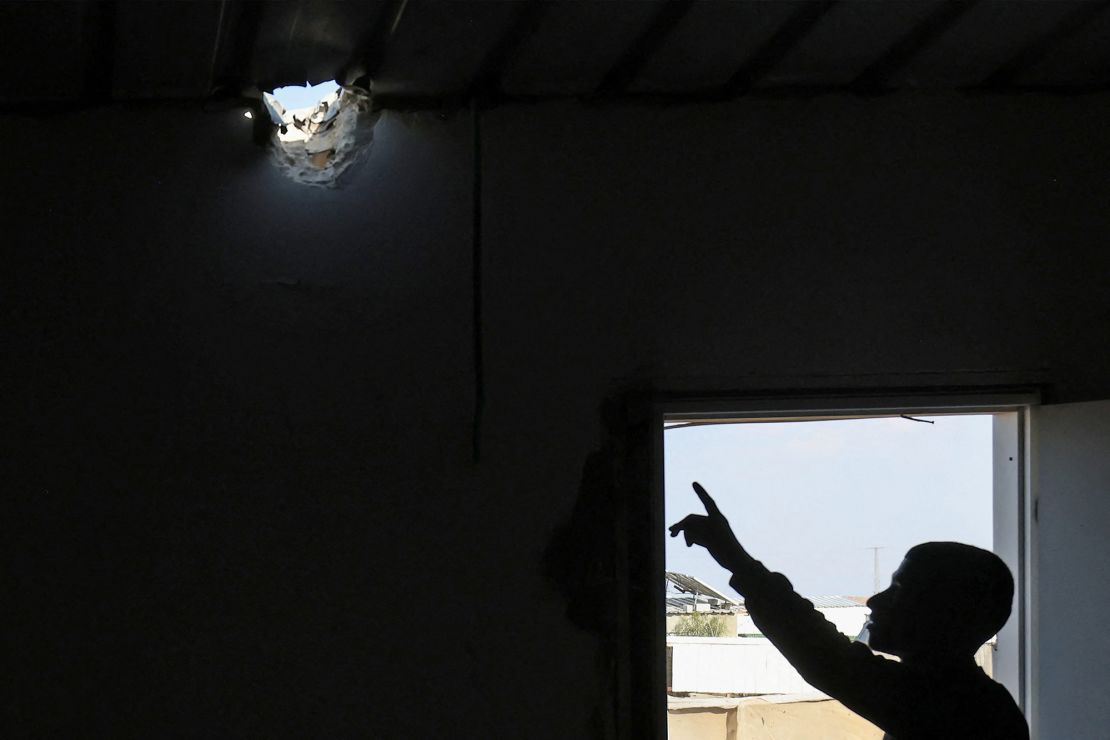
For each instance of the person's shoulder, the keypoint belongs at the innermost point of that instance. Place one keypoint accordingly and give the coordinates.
(1007, 717)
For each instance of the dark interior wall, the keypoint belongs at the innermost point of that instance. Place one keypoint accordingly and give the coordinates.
(834, 237)
(241, 485)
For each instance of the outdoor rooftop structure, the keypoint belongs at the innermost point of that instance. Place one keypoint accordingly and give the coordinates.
(682, 604)
(835, 602)
(240, 409)
(697, 587)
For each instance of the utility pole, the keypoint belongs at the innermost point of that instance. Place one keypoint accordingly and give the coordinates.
(875, 552)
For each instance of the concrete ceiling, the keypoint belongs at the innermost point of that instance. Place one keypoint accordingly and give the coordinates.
(70, 53)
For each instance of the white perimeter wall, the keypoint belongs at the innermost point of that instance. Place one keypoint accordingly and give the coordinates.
(732, 665)
(848, 620)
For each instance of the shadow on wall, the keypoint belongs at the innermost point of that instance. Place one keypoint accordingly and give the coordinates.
(581, 560)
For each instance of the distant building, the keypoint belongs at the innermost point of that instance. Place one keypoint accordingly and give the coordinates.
(688, 595)
(848, 613)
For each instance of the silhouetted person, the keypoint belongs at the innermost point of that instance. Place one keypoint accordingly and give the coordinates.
(944, 601)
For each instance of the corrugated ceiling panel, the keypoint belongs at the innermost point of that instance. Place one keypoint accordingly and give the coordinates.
(439, 47)
(87, 52)
(1081, 60)
(41, 51)
(164, 50)
(711, 43)
(847, 39)
(576, 45)
(988, 36)
(306, 41)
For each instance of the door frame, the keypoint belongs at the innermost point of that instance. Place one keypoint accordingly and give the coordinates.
(645, 669)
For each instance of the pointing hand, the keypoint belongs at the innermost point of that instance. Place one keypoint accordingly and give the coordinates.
(711, 531)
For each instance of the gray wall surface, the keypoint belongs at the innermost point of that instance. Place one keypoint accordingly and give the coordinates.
(240, 410)
(1072, 481)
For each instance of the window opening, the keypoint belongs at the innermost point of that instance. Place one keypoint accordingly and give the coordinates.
(833, 503)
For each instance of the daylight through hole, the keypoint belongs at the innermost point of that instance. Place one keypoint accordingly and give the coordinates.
(319, 130)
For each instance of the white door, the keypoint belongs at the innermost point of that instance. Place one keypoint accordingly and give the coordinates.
(1070, 571)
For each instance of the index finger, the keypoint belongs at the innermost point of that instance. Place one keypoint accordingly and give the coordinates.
(706, 500)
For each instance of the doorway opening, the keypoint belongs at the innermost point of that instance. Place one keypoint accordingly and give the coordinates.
(831, 494)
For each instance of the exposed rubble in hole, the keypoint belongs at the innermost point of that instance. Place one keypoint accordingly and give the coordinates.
(317, 144)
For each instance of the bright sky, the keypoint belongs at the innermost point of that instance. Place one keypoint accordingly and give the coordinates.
(294, 96)
(809, 498)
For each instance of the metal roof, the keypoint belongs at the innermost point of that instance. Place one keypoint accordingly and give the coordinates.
(433, 50)
(683, 603)
(680, 603)
(827, 602)
(691, 585)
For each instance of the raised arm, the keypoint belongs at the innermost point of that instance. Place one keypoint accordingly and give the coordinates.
(712, 531)
(823, 656)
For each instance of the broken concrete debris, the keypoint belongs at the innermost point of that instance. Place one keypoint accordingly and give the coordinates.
(316, 145)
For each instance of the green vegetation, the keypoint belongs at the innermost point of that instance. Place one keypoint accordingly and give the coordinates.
(700, 624)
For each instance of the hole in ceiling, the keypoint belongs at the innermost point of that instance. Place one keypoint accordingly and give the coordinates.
(319, 130)
(295, 97)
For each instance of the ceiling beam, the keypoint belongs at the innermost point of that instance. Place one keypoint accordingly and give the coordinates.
(629, 66)
(1042, 46)
(369, 55)
(234, 54)
(876, 75)
(98, 50)
(775, 48)
(527, 18)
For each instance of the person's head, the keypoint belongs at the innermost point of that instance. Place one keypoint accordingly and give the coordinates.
(945, 598)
